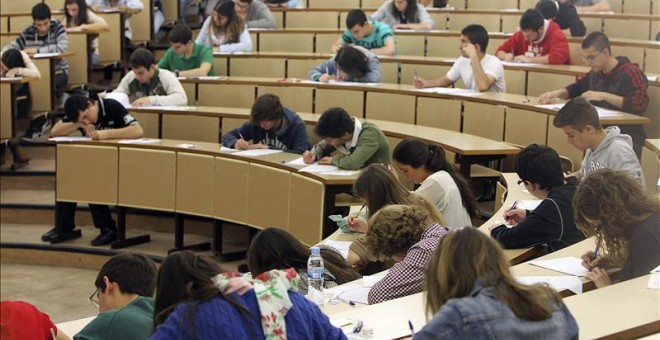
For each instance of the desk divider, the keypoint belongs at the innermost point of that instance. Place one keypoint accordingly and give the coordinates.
(7, 113)
(111, 43)
(79, 60)
(41, 90)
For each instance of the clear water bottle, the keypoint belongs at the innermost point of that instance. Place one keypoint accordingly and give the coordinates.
(315, 271)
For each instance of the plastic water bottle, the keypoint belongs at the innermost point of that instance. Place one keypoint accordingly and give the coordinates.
(315, 271)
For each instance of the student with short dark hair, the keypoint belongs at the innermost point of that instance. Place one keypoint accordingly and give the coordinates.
(376, 37)
(125, 286)
(45, 35)
(625, 221)
(255, 14)
(102, 119)
(408, 235)
(404, 14)
(439, 181)
(271, 126)
(604, 148)
(347, 142)
(551, 223)
(185, 57)
(478, 70)
(225, 31)
(538, 41)
(274, 248)
(613, 83)
(351, 63)
(563, 12)
(201, 304)
(147, 84)
(471, 294)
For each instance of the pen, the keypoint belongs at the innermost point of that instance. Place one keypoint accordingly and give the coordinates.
(359, 211)
(327, 70)
(412, 329)
(358, 328)
(241, 135)
(351, 303)
(515, 204)
(593, 258)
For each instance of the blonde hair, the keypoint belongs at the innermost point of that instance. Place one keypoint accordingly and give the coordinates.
(467, 257)
(396, 228)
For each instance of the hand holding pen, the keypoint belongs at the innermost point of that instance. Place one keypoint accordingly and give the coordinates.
(418, 82)
(241, 144)
(326, 76)
(591, 259)
(514, 215)
(355, 222)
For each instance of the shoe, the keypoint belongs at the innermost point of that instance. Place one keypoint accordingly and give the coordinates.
(39, 128)
(107, 236)
(49, 235)
(63, 235)
(19, 157)
(3, 148)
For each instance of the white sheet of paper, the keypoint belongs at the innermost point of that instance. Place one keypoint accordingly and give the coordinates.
(655, 270)
(568, 265)
(9, 78)
(371, 280)
(297, 161)
(654, 281)
(602, 112)
(351, 83)
(340, 172)
(226, 149)
(512, 63)
(341, 246)
(45, 55)
(69, 139)
(121, 97)
(186, 146)
(357, 295)
(557, 283)
(318, 168)
(139, 141)
(257, 152)
(528, 204)
(446, 90)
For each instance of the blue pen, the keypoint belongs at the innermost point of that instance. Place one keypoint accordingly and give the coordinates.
(412, 329)
(351, 303)
(593, 258)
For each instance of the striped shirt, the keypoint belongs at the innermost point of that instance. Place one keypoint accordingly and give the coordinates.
(407, 276)
(55, 41)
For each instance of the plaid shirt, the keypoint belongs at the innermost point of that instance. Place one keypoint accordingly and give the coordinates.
(407, 277)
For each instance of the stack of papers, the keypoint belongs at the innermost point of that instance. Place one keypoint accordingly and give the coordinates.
(566, 265)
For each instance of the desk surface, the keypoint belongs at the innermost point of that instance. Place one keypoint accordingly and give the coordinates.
(624, 310)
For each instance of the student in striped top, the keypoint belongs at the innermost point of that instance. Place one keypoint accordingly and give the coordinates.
(45, 35)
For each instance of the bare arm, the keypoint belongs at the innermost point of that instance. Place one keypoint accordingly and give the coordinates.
(504, 56)
(548, 97)
(63, 128)
(443, 81)
(389, 49)
(202, 70)
(129, 132)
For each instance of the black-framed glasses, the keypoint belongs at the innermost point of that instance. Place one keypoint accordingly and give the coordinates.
(520, 181)
(94, 298)
(591, 58)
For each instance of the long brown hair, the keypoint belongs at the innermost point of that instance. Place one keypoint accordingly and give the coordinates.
(82, 13)
(235, 24)
(468, 256)
(378, 187)
(609, 204)
(275, 248)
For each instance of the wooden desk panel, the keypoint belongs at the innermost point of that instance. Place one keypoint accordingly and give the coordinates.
(637, 7)
(510, 24)
(515, 81)
(190, 93)
(324, 41)
(79, 61)
(390, 107)
(7, 113)
(483, 120)
(334, 4)
(627, 28)
(352, 101)
(539, 83)
(487, 4)
(194, 184)
(146, 177)
(87, 173)
(149, 124)
(310, 19)
(193, 128)
(220, 66)
(110, 44)
(524, 127)
(306, 208)
(170, 9)
(141, 23)
(653, 112)
(16, 6)
(459, 20)
(230, 193)
(592, 24)
(557, 140)
(228, 124)
(290, 42)
(299, 68)
(652, 60)
(42, 90)
(389, 73)
(18, 23)
(261, 67)
(299, 99)
(442, 46)
(625, 310)
(410, 45)
(268, 197)
(650, 163)
(232, 95)
(440, 113)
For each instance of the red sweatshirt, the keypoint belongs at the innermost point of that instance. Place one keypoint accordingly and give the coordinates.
(553, 43)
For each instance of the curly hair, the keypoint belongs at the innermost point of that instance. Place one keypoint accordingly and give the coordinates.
(395, 228)
(612, 219)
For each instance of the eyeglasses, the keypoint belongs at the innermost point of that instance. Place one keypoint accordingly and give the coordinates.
(520, 181)
(591, 58)
(94, 298)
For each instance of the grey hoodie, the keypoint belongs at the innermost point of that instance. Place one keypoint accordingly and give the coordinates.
(614, 152)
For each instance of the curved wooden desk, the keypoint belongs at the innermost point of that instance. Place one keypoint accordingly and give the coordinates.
(9, 108)
(259, 192)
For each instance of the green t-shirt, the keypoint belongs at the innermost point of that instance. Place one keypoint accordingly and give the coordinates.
(133, 322)
(176, 62)
(376, 39)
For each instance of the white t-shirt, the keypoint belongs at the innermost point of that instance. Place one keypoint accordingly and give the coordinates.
(441, 189)
(491, 65)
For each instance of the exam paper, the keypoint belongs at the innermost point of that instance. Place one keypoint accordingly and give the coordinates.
(70, 139)
(257, 152)
(318, 168)
(447, 90)
(654, 281)
(341, 246)
(139, 141)
(121, 97)
(568, 265)
(46, 55)
(557, 283)
(528, 204)
(297, 161)
(371, 280)
(602, 112)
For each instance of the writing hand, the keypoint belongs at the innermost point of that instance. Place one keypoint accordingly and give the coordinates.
(599, 277)
(144, 101)
(258, 146)
(327, 160)
(309, 157)
(514, 216)
(241, 144)
(593, 96)
(357, 224)
(588, 260)
(325, 78)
